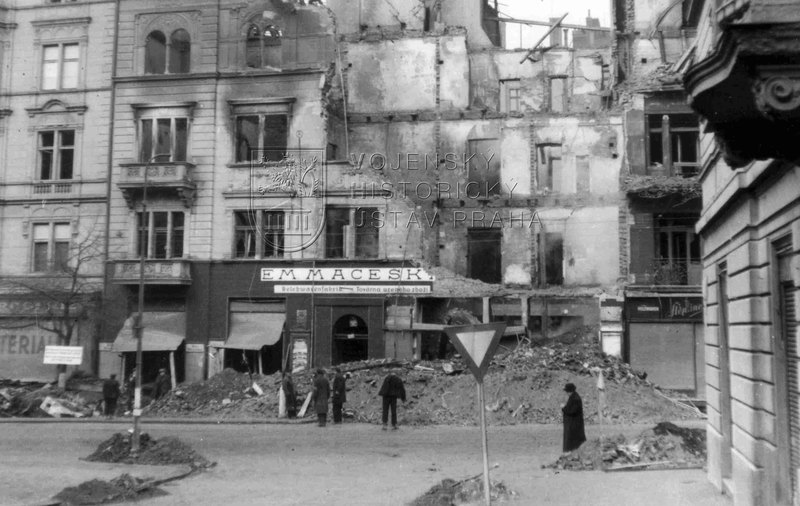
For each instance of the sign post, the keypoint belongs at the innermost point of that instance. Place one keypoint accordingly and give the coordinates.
(477, 344)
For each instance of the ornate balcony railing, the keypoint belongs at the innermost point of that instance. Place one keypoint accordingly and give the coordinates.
(173, 178)
(175, 271)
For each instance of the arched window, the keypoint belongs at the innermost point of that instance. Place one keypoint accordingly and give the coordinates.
(155, 53)
(179, 52)
(263, 46)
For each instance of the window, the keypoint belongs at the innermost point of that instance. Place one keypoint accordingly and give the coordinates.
(510, 96)
(163, 234)
(484, 168)
(484, 254)
(673, 143)
(171, 55)
(677, 250)
(549, 167)
(261, 137)
(553, 252)
(258, 234)
(352, 232)
(50, 246)
(60, 66)
(558, 94)
(56, 154)
(163, 139)
(263, 46)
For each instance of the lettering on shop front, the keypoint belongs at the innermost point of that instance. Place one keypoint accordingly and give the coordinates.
(24, 344)
(394, 274)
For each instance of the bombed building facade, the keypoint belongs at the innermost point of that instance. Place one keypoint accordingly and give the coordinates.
(305, 184)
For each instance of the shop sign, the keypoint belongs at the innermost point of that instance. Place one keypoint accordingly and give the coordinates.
(665, 308)
(66, 355)
(353, 289)
(299, 355)
(347, 274)
(34, 307)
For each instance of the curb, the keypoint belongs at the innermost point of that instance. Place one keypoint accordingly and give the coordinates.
(154, 421)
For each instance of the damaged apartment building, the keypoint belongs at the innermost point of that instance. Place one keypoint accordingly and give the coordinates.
(303, 184)
(660, 311)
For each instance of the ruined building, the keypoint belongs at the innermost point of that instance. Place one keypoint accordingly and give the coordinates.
(661, 312)
(743, 83)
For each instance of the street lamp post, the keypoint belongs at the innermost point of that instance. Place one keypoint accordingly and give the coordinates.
(137, 399)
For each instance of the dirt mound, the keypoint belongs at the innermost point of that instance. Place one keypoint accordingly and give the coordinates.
(470, 491)
(121, 488)
(523, 385)
(168, 450)
(665, 446)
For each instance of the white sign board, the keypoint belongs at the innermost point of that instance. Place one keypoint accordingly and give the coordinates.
(68, 355)
(353, 289)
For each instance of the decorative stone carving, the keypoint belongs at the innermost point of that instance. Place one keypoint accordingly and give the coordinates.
(70, 28)
(778, 96)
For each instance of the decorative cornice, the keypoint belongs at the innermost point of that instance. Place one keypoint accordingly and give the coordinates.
(62, 21)
(7, 26)
(778, 96)
(56, 107)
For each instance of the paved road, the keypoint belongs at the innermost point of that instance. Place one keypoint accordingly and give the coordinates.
(353, 464)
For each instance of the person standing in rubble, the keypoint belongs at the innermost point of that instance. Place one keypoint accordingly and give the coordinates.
(110, 395)
(574, 434)
(130, 390)
(391, 390)
(319, 397)
(339, 395)
(291, 395)
(163, 384)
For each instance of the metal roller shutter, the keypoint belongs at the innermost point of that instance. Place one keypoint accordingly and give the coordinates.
(789, 323)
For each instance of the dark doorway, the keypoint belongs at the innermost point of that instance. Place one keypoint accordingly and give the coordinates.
(484, 254)
(554, 259)
(350, 339)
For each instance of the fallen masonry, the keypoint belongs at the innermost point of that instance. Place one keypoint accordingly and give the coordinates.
(468, 491)
(665, 446)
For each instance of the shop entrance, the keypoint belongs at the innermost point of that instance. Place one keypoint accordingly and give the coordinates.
(350, 339)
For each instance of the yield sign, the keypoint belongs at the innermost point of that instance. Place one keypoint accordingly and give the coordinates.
(477, 344)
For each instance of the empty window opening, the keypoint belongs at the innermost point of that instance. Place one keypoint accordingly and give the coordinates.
(484, 254)
(350, 340)
(549, 167)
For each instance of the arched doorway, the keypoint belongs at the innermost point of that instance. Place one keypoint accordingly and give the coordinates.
(350, 339)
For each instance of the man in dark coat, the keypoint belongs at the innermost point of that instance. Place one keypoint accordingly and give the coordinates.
(574, 435)
(110, 395)
(319, 397)
(162, 385)
(291, 395)
(339, 395)
(391, 389)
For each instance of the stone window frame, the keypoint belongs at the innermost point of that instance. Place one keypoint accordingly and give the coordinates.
(349, 234)
(56, 115)
(279, 106)
(150, 254)
(172, 110)
(278, 250)
(167, 22)
(51, 241)
(60, 32)
(264, 25)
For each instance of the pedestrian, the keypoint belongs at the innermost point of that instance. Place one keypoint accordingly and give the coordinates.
(574, 434)
(391, 389)
(319, 397)
(162, 385)
(339, 395)
(110, 395)
(290, 394)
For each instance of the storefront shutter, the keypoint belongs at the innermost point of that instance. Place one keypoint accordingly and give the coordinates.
(788, 294)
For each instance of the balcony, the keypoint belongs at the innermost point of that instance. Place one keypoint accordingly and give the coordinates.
(50, 188)
(665, 272)
(170, 179)
(165, 271)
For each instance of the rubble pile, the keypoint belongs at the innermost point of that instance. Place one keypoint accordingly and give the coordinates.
(665, 446)
(523, 385)
(165, 451)
(450, 492)
(122, 488)
(37, 400)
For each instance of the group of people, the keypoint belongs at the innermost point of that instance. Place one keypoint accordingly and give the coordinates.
(112, 390)
(391, 390)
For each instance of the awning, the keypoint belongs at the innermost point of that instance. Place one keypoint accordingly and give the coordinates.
(162, 332)
(251, 331)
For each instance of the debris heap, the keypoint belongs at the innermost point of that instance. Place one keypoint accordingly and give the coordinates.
(165, 451)
(665, 446)
(523, 385)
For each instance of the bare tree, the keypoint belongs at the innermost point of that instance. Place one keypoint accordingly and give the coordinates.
(69, 291)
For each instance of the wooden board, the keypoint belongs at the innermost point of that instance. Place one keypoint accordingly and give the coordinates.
(302, 412)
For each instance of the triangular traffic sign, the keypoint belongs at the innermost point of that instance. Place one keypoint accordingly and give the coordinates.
(477, 344)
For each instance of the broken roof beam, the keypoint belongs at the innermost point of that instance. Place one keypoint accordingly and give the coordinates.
(547, 33)
(547, 23)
